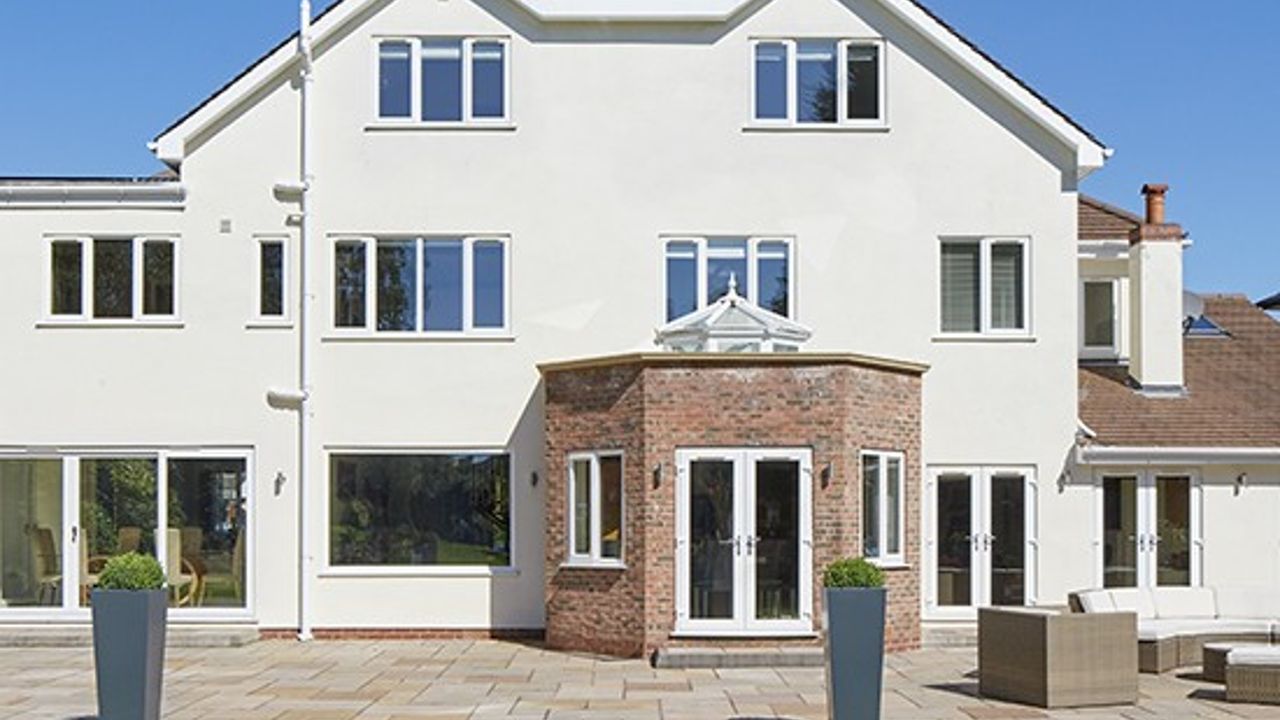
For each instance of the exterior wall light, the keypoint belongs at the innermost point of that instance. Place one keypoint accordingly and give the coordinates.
(825, 475)
(533, 478)
(657, 476)
(1241, 481)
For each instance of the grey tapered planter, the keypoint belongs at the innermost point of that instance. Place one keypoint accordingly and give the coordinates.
(855, 652)
(128, 652)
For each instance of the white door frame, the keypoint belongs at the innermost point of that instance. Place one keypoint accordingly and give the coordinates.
(72, 534)
(1147, 508)
(743, 622)
(980, 537)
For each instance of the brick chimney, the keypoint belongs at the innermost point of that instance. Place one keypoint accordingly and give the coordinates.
(1155, 299)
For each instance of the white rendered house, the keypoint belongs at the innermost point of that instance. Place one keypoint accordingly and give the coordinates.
(307, 366)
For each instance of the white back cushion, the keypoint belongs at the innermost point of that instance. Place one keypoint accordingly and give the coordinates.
(1184, 602)
(1248, 602)
(1096, 601)
(1134, 600)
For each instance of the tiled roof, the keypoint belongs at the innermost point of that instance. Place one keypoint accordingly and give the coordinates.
(1233, 389)
(1100, 221)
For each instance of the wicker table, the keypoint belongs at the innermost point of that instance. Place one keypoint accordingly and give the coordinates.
(1215, 659)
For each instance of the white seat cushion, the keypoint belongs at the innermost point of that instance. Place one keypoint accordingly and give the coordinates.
(1260, 655)
(1184, 602)
(1247, 602)
(1096, 601)
(1134, 600)
(1161, 628)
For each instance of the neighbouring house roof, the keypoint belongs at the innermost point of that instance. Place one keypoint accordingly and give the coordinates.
(1232, 383)
(1270, 303)
(1091, 152)
(1101, 221)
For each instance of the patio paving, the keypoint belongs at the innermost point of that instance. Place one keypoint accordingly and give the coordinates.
(476, 680)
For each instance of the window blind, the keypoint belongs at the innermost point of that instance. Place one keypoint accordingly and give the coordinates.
(1006, 286)
(960, 287)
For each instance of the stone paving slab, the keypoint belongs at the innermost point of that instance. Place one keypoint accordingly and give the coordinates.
(463, 680)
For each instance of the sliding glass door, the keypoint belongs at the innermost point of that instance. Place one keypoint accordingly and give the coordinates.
(63, 518)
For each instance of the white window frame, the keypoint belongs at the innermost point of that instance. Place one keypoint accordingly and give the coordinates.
(370, 328)
(86, 316)
(887, 559)
(1100, 351)
(415, 81)
(985, 328)
(593, 557)
(842, 84)
(1146, 486)
(284, 318)
(72, 533)
(748, 287)
(328, 569)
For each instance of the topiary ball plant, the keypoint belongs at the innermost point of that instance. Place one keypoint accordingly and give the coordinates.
(852, 573)
(131, 571)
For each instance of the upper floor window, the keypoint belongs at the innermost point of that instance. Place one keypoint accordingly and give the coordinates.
(112, 278)
(984, 285)
(272, 278)
(882, 507)
(424, 284)
(595, 508)
(1098, 317)
(443, 79)
(819, 81)
(698, 270)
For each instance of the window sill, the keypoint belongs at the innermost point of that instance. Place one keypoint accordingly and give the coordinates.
(267, 324)
(434, 571)
(815, 128)
(982, 338)
(395, 337)
(693, 634)
(890, 564)
(587, 565)
(122, 324)
(495, 126)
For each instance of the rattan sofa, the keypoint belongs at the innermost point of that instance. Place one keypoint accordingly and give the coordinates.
(1175, 623)
(1053, 659)
(1253, 675)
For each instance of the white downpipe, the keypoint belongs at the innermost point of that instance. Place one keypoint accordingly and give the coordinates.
(306, 560)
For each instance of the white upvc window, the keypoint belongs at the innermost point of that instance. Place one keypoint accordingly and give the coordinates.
(818, 82)
(272, 301)
(698, 271)
(430, 285)
(443, 80)
(985, 286)
(112, 279)
(1099, 318)
(883, 507)
(596, 512)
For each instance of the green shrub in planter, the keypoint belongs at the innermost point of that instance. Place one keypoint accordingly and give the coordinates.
(129, 610)
(852, 573)
(131, 571)
(854, 603)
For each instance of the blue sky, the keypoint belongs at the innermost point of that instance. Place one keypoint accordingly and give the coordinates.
(1184, 90)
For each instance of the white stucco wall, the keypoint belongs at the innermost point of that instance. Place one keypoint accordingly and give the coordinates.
(621, 135)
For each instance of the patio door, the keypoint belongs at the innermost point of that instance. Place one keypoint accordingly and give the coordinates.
(62, 518)
(1150, 529)
(980, 540)
(744, 542)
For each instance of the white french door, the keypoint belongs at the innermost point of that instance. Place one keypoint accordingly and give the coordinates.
(980, 540)
(1150, 529)
(744, 549)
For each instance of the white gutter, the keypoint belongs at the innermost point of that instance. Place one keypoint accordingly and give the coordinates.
(306, 560)
(142, 195)
(1136, 455)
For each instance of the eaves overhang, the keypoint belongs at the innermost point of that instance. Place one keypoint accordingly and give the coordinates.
(1174, 455)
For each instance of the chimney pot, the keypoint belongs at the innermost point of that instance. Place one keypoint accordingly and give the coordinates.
(1155, 193)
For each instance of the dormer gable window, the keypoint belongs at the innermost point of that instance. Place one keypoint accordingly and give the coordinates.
(443, 80)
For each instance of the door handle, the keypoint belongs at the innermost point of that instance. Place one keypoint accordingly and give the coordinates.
(74, 533)
(751, 545)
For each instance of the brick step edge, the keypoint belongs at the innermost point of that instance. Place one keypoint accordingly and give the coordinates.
(691, 658)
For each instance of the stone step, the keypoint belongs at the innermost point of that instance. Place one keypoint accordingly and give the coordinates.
(186, 636)
(945, 635)
(747, 657)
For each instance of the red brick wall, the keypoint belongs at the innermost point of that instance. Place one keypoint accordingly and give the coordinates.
(836, 409)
